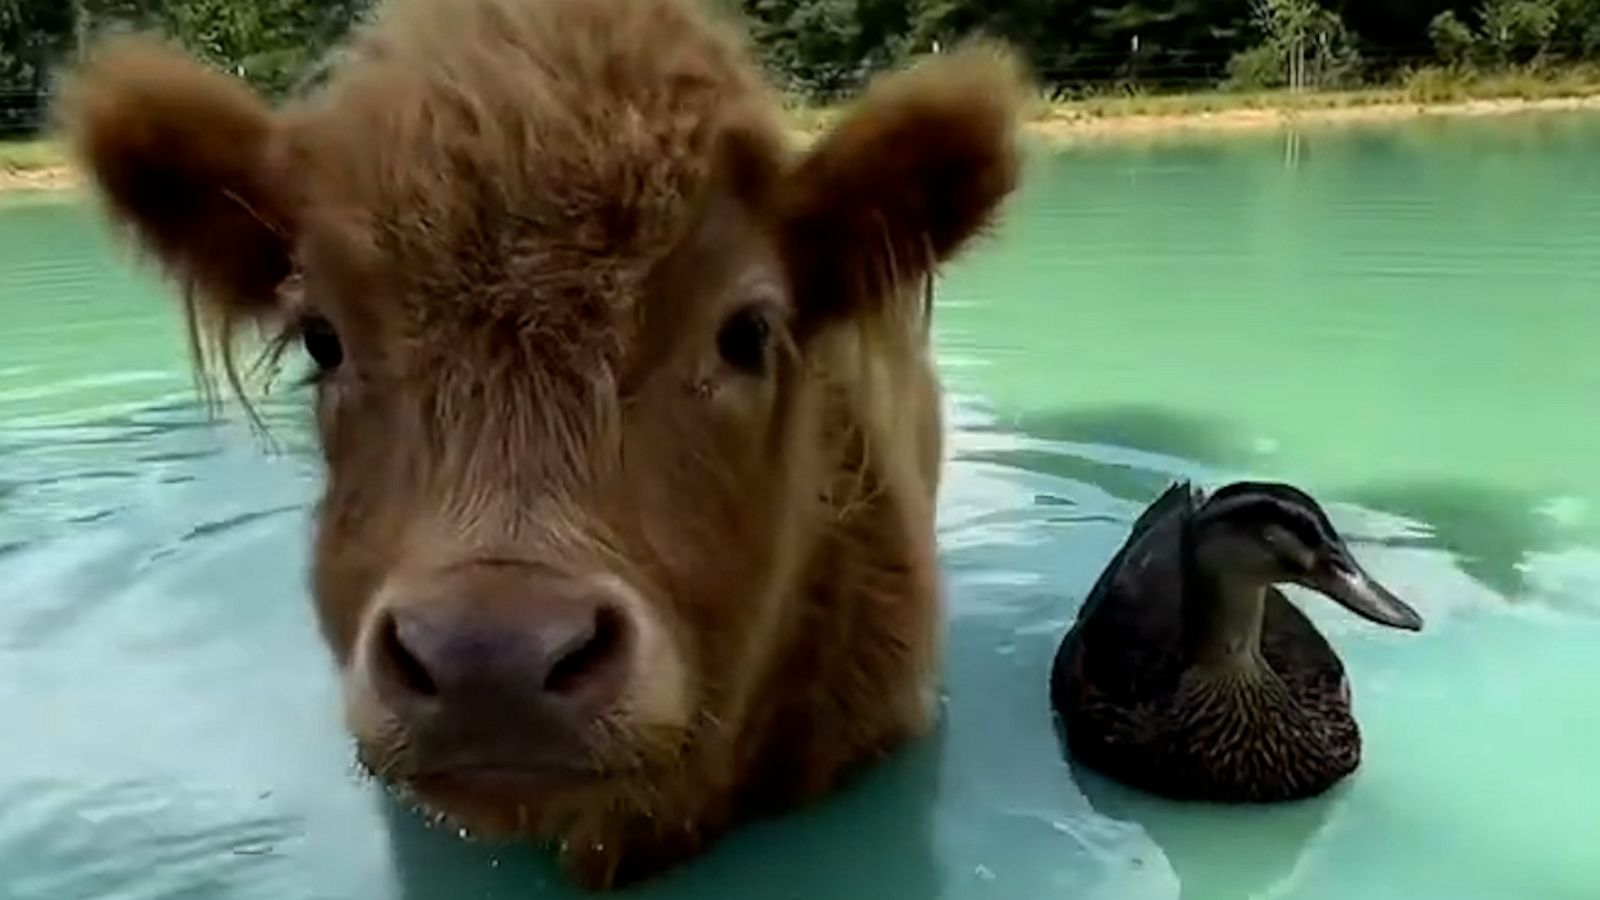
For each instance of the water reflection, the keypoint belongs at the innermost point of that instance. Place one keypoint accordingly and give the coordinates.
(60, 477)
(1216, 852)
(136, 840)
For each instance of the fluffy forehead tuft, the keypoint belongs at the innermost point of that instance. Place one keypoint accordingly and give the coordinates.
(519, 160)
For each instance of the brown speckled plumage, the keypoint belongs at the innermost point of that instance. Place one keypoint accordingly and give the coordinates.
(1141, 705)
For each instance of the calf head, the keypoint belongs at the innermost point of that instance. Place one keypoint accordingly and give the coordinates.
(572, 312)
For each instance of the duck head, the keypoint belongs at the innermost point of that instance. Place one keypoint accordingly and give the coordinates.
(1249, 535)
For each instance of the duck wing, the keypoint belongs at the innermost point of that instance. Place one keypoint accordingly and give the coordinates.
(1127, 630)
(1297, 651)
(1169, 509)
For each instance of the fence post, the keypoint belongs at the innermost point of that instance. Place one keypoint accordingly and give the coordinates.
(80, 29)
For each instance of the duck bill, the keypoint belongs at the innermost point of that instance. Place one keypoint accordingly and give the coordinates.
(1347, 583)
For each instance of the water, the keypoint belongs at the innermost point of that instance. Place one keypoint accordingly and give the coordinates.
(1401, 320)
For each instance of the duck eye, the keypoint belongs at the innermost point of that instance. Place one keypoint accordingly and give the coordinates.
(1289, 550)
(321, 342)
(743, 339)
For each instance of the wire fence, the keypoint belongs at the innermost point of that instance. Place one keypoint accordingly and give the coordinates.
(1072, 74)
(25, 111)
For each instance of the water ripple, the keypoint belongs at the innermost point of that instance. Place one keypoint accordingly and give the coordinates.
(133, 841)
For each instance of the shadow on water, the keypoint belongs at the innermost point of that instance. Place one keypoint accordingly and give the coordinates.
(1154, 429)
(873, 841)
(1189, 442)
(1490, 531)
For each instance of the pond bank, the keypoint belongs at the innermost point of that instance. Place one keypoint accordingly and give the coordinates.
(54, 176)
(1068, 123)
(41, 166)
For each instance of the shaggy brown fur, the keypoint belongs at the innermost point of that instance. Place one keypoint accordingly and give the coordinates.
(528, 223)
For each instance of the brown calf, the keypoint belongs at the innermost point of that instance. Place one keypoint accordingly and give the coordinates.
(631, 428)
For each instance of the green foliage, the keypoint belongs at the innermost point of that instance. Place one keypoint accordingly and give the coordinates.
(823, 49)
(273, 44)
(1518, 30)
(1453, 41)
(28, 156)
(1439, 84)
(1302, 45)
(1436, 84)
(33, 33)
(1259, 68)
(1577, 30)
(1514, 33)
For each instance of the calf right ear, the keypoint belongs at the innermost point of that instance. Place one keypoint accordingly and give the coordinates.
(904, 180)
(180, 154)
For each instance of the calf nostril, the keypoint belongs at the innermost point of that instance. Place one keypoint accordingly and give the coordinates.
(401, 663)
(588, 655)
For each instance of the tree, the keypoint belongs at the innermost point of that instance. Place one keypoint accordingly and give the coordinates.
(1453, 41)
(273, 44)
(1303, 45)
(34, 34)
(1518, 31)
(824, 48)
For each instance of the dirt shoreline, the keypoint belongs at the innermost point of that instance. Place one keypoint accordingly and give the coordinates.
(45, 178)
(1069, 125)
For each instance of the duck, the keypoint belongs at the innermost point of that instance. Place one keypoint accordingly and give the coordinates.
(1189, 675)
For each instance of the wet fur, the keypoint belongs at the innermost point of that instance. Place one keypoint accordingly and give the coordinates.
(520, 216)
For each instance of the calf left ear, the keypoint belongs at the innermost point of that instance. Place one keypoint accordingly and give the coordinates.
(904, 182)
(179, 153)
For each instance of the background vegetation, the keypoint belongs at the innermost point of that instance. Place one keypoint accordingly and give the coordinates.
(824, 48)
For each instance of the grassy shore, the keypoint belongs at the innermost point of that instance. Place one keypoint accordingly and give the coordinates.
(42, 164)
(1429, 91)
(36, 164)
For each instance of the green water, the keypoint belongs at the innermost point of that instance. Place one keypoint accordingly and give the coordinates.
(1401, 320)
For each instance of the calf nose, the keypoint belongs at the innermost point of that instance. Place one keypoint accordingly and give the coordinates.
(560, 656)
(501, 672)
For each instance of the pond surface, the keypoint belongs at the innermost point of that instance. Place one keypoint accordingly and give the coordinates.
(1403, 321)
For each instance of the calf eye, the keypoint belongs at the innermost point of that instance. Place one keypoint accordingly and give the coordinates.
(321, 342)
(743, 339)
